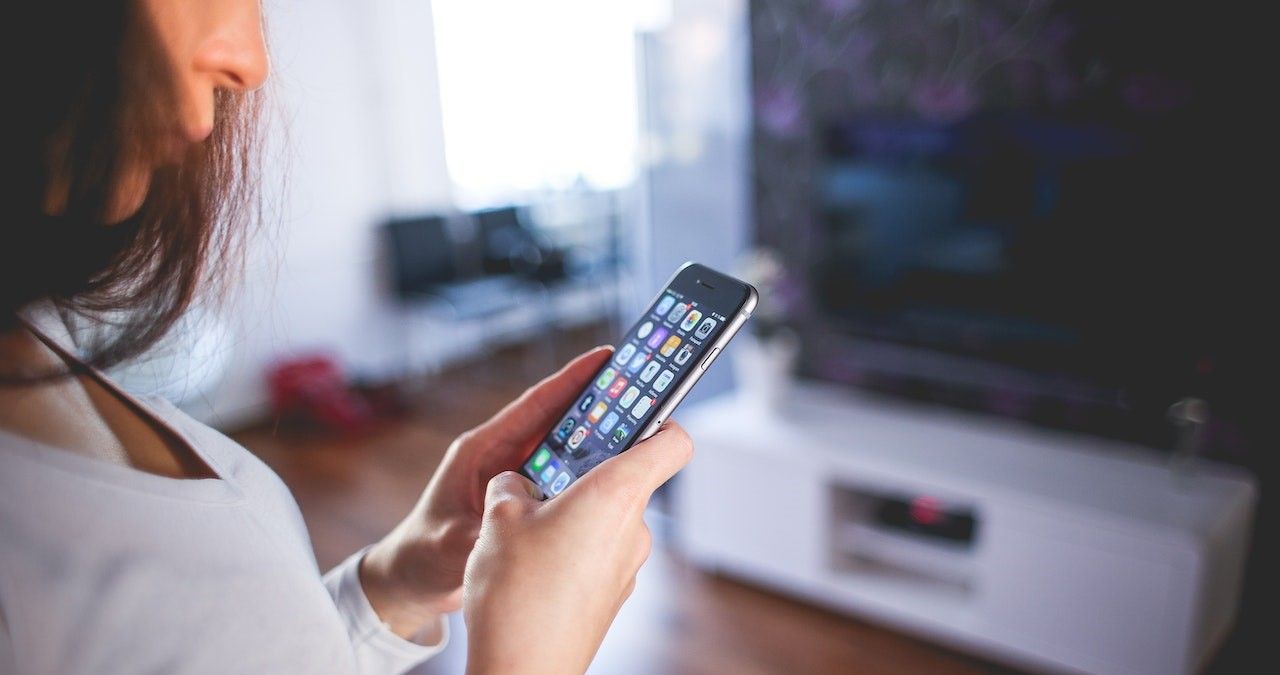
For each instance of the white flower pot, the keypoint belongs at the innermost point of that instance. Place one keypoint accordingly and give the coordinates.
(765, 370)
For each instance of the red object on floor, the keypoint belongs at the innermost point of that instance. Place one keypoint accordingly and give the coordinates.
(314, 389)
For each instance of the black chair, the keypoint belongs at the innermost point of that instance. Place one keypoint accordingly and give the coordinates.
(428, 263)
(422, 255)
(511, 247)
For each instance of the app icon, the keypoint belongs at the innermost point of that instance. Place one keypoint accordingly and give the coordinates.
(535, 465)
(629, 397)
(664, 304)
(561, 482)
(645, 329)
(598, 412)
(642, 407)
(683, 357)
(691, 320)
(549, 472)
(669, 347)
(663, 380)
(586, 402)
(577, 438)
(620, 434)
(624, 354)
(617, 387)
(605, 378)
(677, 312)
(540, 458)
(658, 336)
(637, 362)
(649, 371)
(566, 428)
(705, 329)
(609, 420)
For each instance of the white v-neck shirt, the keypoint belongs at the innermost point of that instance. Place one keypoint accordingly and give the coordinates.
(107, 569)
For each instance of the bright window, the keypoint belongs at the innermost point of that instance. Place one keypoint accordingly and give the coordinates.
(536, 95)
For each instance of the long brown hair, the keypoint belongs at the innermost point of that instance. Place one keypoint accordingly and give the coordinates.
(97, 99)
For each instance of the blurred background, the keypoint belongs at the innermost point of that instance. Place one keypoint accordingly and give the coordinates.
(1004, 405)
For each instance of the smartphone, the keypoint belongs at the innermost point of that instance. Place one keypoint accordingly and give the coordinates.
(655, 365)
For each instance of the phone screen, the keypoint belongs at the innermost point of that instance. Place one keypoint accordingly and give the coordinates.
(654, 357)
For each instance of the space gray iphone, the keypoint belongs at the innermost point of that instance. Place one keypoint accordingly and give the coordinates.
(654, 366)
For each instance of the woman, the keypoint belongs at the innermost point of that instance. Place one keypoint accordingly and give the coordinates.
(133, 539)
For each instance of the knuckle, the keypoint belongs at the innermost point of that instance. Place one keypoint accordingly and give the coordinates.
(464, 440)
(502, 496)
(683, 441)
(504, 508)
(642, 548)
(677, 441)
(501, 480)
(685, 447)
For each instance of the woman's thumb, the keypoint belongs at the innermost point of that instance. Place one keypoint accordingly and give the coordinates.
(510, 491)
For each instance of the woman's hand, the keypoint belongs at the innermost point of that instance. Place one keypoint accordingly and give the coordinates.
(415, 573)
(547, 578)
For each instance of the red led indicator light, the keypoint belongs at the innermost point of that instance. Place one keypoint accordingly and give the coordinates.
(926, 510)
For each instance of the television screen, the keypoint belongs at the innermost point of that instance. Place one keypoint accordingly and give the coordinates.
(1039, 241)
(1013, 206)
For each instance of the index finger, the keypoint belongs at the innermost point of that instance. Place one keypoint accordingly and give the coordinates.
(531, 415)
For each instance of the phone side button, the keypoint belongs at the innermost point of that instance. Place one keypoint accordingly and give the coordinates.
(710, 357)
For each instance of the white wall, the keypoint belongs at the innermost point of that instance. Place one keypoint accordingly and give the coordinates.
(358, 138)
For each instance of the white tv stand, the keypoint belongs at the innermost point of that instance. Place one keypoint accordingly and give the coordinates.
(1089, 555)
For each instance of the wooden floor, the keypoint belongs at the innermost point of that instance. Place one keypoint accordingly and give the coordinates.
(679, 620)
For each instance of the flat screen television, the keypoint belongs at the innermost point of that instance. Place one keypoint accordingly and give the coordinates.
(1012, 207)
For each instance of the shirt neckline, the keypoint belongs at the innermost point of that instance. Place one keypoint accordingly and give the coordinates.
(44, 321)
